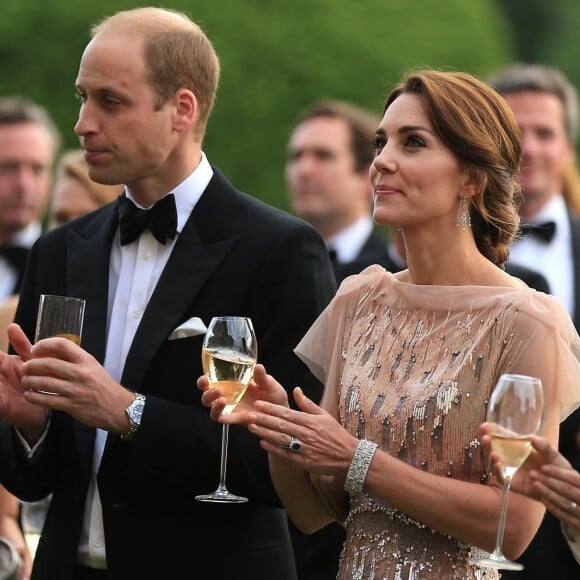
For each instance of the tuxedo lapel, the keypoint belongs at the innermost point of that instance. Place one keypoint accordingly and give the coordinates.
(87, 276)
(200, 248)
(87, 272)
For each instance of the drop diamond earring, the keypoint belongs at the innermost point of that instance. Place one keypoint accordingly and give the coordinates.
(463, 217)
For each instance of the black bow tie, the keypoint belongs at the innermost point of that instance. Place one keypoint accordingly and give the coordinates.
(544, 232)
(161, 219)
(16, 256)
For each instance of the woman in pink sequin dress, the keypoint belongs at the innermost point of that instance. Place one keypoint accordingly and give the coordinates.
(409, 360)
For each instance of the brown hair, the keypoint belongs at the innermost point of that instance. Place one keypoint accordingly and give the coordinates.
(362, 126)
(73, 164)
(18, 110)
(541, 79)
(177, 52)
(479, 128)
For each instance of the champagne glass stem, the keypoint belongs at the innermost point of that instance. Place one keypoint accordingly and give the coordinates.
(497, 553)
(224, 457)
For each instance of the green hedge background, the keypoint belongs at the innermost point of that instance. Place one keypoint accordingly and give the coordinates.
(278, 56)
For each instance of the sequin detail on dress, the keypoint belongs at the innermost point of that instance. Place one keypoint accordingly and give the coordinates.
(417, 382)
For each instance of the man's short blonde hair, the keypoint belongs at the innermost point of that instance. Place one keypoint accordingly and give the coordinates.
(178, 54)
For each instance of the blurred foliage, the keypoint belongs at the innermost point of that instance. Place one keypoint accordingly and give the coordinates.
(546, 33)
(277, 56)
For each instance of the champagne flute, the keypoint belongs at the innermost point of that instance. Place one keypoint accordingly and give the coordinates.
(32, 516)
(515, 411)
(228, 357)
(59, 316)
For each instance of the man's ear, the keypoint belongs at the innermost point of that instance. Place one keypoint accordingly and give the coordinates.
(186, 110)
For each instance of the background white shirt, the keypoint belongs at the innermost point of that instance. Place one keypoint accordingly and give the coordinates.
(554, 260)
(8, 274)
(349, 242)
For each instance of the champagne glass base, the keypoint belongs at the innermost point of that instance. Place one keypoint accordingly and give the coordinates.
(499, 563)
(220, 496)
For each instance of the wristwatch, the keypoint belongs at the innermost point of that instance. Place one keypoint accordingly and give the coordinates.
(134, 412)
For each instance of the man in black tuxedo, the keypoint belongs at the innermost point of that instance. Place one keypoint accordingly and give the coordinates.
(327, 173)
(29, 141)
(546, 108)
(125, 445)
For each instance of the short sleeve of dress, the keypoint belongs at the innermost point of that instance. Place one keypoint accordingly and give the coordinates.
(320, 349)
(549, 349)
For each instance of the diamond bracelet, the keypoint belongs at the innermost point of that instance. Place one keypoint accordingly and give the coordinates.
(357, 472)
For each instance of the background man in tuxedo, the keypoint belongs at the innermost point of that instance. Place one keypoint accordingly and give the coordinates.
(546, 108)
(327, 173)
(127, 445)
(29, 141)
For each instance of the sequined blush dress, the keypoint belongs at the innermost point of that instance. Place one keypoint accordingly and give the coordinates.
(411, 368)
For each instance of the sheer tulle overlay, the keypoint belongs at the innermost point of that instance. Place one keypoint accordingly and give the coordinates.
(411, 368)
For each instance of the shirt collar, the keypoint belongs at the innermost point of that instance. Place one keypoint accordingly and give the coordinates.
(188, 192)
(554, 211)
(349, 242)
(27, 236)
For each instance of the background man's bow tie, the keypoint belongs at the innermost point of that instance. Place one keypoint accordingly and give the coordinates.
(544, 232)
(161, 219)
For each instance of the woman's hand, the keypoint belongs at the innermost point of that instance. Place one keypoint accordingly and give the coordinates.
(262, 387)
(557, 483)
(326, 447)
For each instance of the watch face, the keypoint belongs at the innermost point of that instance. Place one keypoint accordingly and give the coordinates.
(137, 411)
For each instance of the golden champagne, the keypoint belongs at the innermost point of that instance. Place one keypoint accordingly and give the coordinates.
(72, 337)
(512, 451)
(230, 371)
(32, 539)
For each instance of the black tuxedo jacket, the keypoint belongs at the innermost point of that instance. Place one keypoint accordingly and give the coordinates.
(235, 256)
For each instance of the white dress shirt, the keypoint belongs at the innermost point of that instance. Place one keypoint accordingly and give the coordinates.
(8, 274)
(554, 260)
(349, 242)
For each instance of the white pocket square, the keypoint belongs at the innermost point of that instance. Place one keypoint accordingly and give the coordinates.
(192, 327)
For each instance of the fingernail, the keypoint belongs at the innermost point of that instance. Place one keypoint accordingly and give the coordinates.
(252, 417)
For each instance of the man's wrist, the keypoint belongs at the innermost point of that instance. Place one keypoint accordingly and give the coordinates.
(134, 413)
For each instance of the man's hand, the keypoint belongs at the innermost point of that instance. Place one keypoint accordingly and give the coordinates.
(63, 376)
